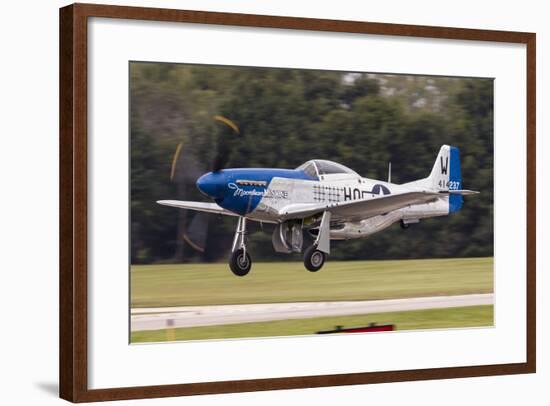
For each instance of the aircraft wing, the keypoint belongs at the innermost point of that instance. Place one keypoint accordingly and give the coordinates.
(360, 209)
(198, 206)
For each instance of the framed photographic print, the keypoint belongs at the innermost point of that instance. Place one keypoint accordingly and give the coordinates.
(256, 202)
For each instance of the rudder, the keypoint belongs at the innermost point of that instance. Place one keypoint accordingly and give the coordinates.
(445, 175)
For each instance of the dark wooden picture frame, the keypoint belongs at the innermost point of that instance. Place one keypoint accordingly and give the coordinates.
(73, 278)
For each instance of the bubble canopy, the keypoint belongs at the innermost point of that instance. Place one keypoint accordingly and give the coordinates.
(318, 167)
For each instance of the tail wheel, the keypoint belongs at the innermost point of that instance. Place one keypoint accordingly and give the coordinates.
(314, 259)
(240, 262)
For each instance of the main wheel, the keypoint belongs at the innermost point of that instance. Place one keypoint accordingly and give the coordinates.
(314, 259)
(240, 262)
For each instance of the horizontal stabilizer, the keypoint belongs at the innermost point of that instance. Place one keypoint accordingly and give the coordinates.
(461, 192)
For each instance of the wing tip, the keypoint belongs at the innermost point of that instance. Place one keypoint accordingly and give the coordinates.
(166, 202)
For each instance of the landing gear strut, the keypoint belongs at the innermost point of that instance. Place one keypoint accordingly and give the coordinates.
(314, 256)
(240, 262)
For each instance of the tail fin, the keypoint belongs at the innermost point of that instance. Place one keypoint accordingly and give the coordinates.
(445, 175)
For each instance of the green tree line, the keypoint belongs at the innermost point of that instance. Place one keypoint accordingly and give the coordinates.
(288, 116)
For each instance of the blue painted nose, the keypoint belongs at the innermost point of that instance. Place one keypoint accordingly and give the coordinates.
(212, 185)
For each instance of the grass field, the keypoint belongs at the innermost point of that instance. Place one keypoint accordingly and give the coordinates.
(472, 316)
(209, 284)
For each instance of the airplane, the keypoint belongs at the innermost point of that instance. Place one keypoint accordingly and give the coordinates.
(324, 198)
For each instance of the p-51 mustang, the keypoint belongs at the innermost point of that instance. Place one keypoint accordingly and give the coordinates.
(326, 199)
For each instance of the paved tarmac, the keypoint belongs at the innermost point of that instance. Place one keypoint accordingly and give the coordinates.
(194, 316)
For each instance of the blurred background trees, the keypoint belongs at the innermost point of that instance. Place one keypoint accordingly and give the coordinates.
(288, 116)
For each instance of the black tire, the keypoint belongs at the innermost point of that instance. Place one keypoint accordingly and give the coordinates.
(240, 264)
(314, 259)
(404, 225)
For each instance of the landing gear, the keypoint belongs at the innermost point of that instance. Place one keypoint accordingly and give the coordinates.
(407, 223)
(240, 262)
(314, 259)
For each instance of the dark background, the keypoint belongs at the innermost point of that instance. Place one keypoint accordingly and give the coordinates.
(288, 116)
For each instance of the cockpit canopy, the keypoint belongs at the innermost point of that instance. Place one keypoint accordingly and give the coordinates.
(319, 167)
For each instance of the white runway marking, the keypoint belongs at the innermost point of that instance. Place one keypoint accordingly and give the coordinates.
(194, 316)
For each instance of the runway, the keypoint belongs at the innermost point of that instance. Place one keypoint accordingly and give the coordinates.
(195, 316)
